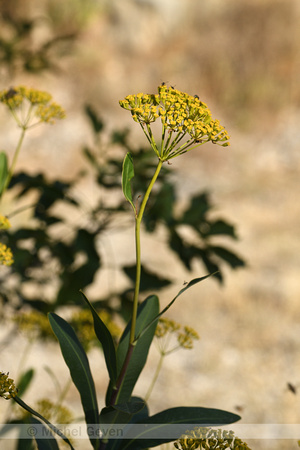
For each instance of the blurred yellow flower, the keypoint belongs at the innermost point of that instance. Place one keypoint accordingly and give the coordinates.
(209, 438)
(7, 386)
(185, 337)
(6, 256)
(4, 223)
(30, 106)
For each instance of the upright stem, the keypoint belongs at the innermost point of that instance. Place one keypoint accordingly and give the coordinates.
(154, 379)
(138, 221)
(14, 161)
(132, 343)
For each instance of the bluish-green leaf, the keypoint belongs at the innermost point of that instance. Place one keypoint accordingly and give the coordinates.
(25, 381)
(124, 414)
(43, 442)
(147, 311)
(3, 170)
(127, 175)
(36, 414)
(78, 364)
(106, 341)
(156, 430)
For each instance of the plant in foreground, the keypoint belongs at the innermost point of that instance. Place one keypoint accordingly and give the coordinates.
(186, 123)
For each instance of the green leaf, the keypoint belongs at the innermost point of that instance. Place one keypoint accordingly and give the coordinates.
(190, 284)
(135, 410)
(3, 170)
(42, 442)
(155, 430)
(78, 364)
(146, 312)
(106, 341)
(25, 381)
(127, 175)
(36, 414)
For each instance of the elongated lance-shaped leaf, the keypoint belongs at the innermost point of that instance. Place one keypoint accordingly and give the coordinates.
(146, 312)
(24, 381)
(42, 442)
(3, 170)
(127, 175)
(105, 340)
(78, 364)
(190, 284)
(169, 425)
(36, 414)
(121, 416)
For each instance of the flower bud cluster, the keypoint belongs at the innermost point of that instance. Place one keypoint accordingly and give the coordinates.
(208, 438)
(7, 386)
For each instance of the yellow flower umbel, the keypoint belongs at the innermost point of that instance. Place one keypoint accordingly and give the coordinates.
(186, 121)
(30, 106)
(7, 386)
(6, 256)
(35, 324)
(166, 328)
(208, 438)
(4, 223)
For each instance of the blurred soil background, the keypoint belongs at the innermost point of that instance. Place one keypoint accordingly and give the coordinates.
(243, 60)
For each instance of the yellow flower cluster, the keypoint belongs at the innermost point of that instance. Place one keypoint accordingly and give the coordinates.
(35, 324)
(6, 256)
(165, 326)
(40, 107)
(4, 223)
(208, 438)
(53, 412)
(7, 386)
(179, 113)
(184, 338)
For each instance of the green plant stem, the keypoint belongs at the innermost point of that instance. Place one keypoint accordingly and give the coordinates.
(14, 161)
(154, 379)
(138, 221)
(132, 341)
